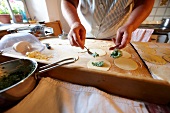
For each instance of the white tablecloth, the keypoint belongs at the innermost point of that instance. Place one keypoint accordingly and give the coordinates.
(54, 96)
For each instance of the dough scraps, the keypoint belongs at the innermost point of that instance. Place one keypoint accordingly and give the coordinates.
(106, 66)
(126, 63)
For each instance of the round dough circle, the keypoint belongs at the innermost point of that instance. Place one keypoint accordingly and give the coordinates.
(22, 46)
(106, 66)
(154, 59)
(126, 63)
(98, 51)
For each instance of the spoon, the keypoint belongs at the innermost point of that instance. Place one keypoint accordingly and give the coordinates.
(88, 51)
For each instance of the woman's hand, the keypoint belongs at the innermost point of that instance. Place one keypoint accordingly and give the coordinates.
(123, 36)
(77, 35)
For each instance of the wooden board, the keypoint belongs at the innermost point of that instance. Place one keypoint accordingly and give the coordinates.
(62, 48)
(117, 83)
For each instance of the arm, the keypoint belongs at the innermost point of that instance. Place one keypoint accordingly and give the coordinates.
(77, 32)
(140, 12)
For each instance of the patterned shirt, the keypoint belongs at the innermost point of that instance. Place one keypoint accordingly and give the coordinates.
(102, 18)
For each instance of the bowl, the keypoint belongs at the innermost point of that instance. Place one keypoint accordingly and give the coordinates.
(17, 80)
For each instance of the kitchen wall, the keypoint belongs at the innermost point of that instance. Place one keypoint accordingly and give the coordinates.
(159, 11)
(47, 10)
(50, 10)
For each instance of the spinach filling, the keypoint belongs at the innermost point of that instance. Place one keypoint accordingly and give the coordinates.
(116, 53)
(10, 79)
(95, 55)
(98, 64)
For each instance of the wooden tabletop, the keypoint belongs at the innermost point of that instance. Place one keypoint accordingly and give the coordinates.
(136, 84)
(60, 47)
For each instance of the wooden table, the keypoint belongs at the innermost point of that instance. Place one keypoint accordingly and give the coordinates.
(137, 85)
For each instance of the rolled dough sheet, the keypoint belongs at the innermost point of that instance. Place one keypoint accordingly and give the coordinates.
(98, 51)
(125, 63)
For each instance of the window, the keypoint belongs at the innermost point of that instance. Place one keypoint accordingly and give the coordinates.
(14, 10)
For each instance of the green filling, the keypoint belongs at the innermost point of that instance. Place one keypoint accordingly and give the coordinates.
(98, 64)
(15, 77)
(116, 53)
(95, 55)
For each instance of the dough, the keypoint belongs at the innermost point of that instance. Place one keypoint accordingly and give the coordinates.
(98, 51)
(126, 63)
(66, 56)
(165, 51)
(162, 72)
(106, 66)
(153, 59)
(125, 54)
(167, 58)
(141, 44)
(147, 50)
(22, 47)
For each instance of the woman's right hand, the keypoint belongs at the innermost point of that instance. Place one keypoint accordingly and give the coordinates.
(77, 35)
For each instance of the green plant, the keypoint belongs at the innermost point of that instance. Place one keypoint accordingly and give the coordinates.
(15, 10)
(3, 8)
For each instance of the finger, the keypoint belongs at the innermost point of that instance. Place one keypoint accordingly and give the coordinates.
(70, 39)
(119, 38)
(79, 38)
(125, 41)
(114, 40)
(82, 37)
(76, 39)
(112, 48)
